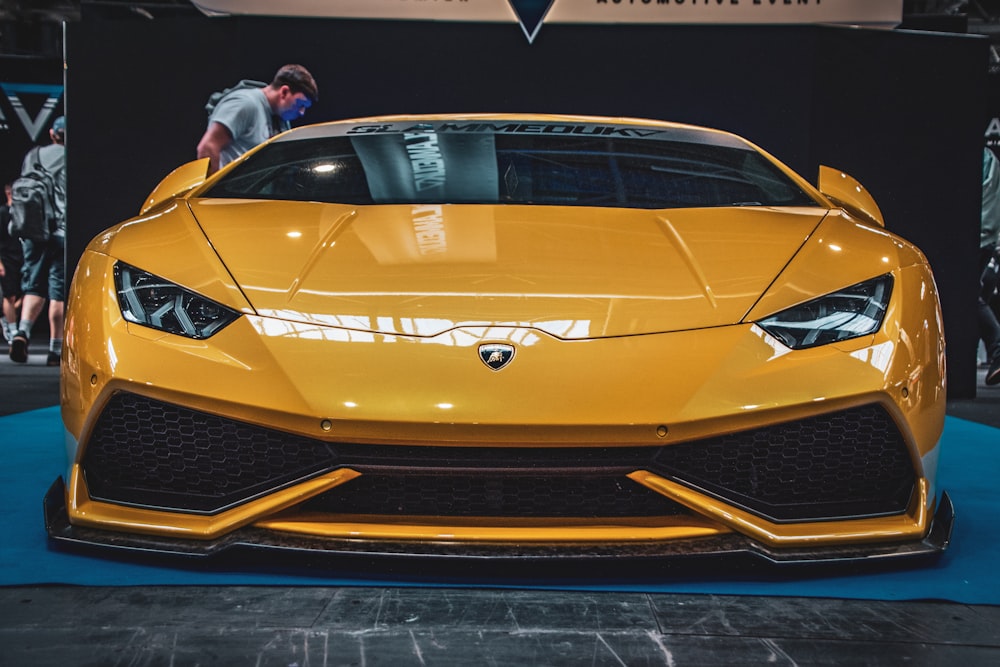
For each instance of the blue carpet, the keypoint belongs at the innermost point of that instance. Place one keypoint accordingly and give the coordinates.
(34, 456)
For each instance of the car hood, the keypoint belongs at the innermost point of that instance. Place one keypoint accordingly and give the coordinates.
(573, 272)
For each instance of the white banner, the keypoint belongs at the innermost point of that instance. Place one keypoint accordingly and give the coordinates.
(856, 12)
(440, 10)
(531, 14)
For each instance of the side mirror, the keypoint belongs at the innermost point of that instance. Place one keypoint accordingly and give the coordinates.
(850, 195)
(179, 181)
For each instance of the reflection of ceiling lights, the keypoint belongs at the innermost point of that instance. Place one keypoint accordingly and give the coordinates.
(54, 11)
(58, 11)
(324, 168)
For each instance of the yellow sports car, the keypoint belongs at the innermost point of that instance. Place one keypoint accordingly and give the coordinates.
(502, 336)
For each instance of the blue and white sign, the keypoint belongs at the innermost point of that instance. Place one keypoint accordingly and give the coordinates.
(16, 104)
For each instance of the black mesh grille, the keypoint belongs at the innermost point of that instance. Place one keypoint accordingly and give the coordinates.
(846, 464)
(495, 496)
(850, 463)
(145, 452)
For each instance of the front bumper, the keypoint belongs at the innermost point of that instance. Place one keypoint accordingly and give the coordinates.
(278, 545)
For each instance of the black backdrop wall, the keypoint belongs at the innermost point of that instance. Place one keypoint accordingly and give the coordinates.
(904, 112)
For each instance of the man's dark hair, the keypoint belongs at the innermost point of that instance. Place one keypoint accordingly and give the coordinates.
(298, 79)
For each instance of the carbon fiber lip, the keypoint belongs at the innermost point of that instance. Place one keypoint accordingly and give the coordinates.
(61, 532)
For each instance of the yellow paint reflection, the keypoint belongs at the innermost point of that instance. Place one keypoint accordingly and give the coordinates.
(879, 356)
(778, 349)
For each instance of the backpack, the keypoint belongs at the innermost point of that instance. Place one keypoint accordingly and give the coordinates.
(216, 97)
(280, 125)
(33, 208)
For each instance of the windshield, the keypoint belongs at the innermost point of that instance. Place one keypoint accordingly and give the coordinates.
(512, 163)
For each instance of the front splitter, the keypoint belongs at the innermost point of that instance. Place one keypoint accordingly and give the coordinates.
(278, 545)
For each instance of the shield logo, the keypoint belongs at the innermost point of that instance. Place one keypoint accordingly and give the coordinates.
(496, 355)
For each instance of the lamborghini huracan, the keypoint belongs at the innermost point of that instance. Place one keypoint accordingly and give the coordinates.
(504, 336)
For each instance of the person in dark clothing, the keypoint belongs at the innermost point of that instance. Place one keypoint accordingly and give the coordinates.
(11, 259)
(989, 327)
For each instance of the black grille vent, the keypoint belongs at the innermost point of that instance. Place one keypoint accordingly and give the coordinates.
(846, 464)
(145, 452)
(850, 463)
(495, 495)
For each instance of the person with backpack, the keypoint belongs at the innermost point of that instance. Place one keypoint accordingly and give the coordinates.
(252, 112)
(38, 218)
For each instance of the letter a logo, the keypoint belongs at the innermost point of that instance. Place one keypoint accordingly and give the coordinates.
(33, 126)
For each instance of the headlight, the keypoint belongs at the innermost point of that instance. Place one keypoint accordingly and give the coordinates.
(848, 313)
(154, 302)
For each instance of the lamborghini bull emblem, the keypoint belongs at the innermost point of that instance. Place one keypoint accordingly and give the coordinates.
(496, 355)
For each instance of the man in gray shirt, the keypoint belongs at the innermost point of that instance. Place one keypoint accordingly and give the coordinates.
(252, 112)
(43, 275)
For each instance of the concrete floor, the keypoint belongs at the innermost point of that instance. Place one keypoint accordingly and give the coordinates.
(307, 625)
(417, 626)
